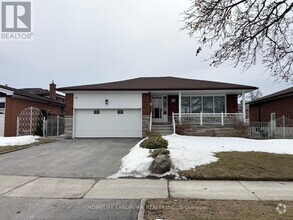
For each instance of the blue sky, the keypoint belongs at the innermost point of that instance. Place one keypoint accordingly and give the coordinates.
(93, 41)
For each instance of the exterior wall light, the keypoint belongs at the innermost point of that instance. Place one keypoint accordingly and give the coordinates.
(106, 101)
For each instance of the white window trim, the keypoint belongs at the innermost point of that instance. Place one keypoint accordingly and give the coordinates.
(225, 101)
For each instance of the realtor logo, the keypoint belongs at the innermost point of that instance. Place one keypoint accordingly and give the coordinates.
(16, 19)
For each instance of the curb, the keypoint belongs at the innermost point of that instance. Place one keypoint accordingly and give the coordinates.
(141, 211)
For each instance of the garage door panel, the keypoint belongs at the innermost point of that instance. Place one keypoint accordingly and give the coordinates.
(108, 123)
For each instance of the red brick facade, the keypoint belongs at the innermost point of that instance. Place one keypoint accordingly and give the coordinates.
(69, 104)
(146, 104)
(14, 106)
(261, 112)
(232, 104)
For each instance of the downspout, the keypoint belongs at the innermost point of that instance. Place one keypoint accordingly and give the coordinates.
(243, 106)
(179, 103)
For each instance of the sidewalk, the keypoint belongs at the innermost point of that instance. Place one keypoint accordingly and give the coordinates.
(65, 188)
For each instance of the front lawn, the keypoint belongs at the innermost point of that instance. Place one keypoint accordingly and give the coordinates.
(180, 209)
(11, 148)
(245, 166)
(217, 158)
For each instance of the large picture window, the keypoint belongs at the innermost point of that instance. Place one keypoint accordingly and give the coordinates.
(196, 106)
(208, 104)
(185, 104)
(219, 104)
(204, 104)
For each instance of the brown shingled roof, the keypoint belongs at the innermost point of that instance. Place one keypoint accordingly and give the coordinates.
(157, 84)
(276, 95)
(24, 93)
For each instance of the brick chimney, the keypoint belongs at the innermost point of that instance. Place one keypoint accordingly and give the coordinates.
(53, 91)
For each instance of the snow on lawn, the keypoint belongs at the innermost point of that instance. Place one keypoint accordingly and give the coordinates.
(12, 141)
(187, 152)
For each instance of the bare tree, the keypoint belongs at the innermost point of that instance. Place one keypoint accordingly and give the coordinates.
(255, 94)
(245, 31)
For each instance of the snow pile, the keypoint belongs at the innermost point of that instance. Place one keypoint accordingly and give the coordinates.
(12, 141)
(187, 152)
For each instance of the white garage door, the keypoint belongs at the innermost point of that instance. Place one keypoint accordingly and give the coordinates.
(108, 123)
(2, 117)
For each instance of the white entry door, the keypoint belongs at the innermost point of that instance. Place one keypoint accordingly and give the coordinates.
(108, 123)
(160, 109)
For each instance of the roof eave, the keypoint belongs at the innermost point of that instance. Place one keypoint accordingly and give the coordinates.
(262, 100)
(156, 89)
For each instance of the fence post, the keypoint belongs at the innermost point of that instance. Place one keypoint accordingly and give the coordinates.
(222, 118)
(31, 121)
(284, 128)
(17, 126)
(173, 122)
(44, 127)
(57, 125)
(200, 118)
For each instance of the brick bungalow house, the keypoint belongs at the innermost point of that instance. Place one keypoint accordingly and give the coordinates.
(13, 101)
(130, 108)
(271, 106)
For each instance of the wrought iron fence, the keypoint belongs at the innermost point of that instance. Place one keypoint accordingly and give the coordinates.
(32, 122)
(282, 128)
(259, 129)
(54, 126)
(279, 128)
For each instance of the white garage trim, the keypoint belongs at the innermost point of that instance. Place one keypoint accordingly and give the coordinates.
(100, 123)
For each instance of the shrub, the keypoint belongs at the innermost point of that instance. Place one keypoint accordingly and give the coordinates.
(153, 134)
(182, 129)
(154, 143)
(241, 127)
(159, 151)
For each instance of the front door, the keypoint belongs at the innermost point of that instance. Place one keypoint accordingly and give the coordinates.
(159, 109)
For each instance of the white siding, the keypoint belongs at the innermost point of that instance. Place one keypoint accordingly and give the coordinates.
(116, 100)
(108, 123)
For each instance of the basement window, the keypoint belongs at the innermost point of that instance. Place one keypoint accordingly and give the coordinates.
(96, 112)
(120, 112)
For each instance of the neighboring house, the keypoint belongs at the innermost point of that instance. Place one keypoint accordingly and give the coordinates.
(272, 106)
(47, 93)
(14, 101)
(124, 108)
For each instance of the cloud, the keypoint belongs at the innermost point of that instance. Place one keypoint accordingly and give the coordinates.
(93, 41)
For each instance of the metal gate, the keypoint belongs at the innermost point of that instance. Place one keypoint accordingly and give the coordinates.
(54, 126)
(276, 128)
(30, 122)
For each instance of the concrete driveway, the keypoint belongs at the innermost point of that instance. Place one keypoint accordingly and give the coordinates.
(77, 158)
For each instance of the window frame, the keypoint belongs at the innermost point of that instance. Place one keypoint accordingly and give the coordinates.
(97, 112)
(120, 111)
(202, 97)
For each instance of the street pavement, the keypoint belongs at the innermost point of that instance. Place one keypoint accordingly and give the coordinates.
(32, 197)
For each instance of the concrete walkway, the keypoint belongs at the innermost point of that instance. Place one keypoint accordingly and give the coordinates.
(65, 188)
